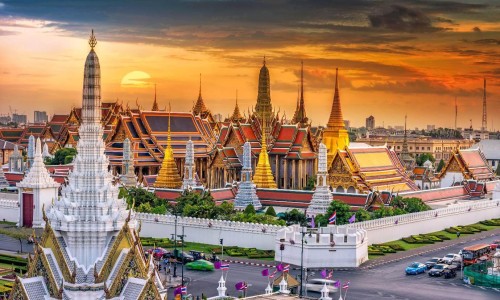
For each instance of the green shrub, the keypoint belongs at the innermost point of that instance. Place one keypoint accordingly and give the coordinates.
(442, 236)
(397, 247)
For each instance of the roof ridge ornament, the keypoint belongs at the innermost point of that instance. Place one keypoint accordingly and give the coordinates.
(92, 40)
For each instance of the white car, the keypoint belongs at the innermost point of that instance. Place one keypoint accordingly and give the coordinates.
(451, 257)
(315, 285)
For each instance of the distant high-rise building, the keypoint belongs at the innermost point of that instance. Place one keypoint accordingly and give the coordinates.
(4, 119)
(347, 124)
(370, 123)
(40, 116)
(19, 119)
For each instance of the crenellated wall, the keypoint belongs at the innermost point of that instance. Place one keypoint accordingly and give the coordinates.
(396, 227)
(208, 231)
(9, 207)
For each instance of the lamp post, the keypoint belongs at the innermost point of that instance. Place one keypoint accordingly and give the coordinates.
(174, 236)
(182, 255)
(302, 264)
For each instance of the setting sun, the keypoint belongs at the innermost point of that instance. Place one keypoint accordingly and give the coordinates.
(136, 79)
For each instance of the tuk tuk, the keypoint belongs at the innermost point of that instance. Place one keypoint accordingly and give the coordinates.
(450, 271)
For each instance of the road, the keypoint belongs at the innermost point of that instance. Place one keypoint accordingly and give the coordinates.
(382, 282)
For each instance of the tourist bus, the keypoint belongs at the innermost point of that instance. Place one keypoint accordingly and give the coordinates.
(471, 254)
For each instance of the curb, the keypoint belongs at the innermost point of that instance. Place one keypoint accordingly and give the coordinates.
(273, 266)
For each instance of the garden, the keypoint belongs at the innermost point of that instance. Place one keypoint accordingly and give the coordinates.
(9, 267)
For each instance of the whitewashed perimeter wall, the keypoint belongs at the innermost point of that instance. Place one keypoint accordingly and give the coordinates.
(9, 208)
(208, 231)
(387, 229)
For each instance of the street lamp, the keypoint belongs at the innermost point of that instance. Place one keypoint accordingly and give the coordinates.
(303, 233)
(182, 256)
(174, 237)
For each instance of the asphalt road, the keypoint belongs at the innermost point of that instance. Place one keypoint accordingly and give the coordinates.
(383, 282)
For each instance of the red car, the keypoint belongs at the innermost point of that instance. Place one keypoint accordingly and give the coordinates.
(158, 252)
(495, 245)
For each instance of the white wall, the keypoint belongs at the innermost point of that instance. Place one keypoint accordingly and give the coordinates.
(386, 230)
(349, 250)
(9, 209)
(210, 231)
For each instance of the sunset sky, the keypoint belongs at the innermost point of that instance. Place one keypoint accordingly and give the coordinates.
(394, 57)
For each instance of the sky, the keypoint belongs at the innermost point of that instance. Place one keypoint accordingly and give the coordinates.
(394, 57)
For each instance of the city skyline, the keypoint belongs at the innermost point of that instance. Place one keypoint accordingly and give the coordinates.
(408, 58)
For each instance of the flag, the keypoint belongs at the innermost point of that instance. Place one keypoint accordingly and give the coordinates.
(241, 286)
(346, 285)
(333, 218)
(352, 219)
(396, 222)
(265, 272)
(279, 267)
(177, 291)
(184, 290)
(330, 275)
(273, 273)
(286, 268)
(313, 224)
(224, 267)
(217, 265)
(323, 273)
(337, 284)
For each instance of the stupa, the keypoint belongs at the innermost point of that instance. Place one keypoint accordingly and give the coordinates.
(263, 176)
(189, 180)
(16, 161)
(3, 181)
(322, 197)
(247, 192)
(90, 248)
(168, 176)
(128, 177)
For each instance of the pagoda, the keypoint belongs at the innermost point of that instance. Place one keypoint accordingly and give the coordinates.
(264, 108)
(263, 176)
(128, 177)
(335, 136)
(16, 164)
(90, 248)
(168, 176)
(200, 108)
(3, 181)
(406, 158)
(322, 196)
(299, 117)
(247, 193)
(189, 180)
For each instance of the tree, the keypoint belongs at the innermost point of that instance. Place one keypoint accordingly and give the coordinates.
(270, 211)
(249, 210)
(63, 156)
(440, 165)
(408, 205)
(311, 182)
(423, 158)
(363, 215)
(342, 210)
(294, 217)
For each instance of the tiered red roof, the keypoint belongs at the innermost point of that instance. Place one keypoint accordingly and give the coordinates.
(472, 164)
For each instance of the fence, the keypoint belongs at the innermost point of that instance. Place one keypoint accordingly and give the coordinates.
(480, 274)
(396, 227)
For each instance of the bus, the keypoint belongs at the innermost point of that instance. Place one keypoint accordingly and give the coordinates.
(471, 254)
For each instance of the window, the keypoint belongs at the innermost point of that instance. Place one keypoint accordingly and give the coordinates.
(345, 238)
(417, 148)
(428, 148)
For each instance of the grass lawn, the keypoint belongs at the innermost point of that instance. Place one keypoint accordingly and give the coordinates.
(405, 245)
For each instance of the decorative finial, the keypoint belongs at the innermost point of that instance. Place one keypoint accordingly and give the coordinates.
(264, 60)
(200, 86)
(92, 40)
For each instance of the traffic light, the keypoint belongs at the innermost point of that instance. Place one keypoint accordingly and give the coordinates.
(282, 247)
(221, 241)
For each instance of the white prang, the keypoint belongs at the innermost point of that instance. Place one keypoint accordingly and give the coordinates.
(45, 152)
(38, 182)
(189, 180)
(128, 177)
(16, 161)
(89, 211)
(322, 197)
(247, 191)
(31, 151)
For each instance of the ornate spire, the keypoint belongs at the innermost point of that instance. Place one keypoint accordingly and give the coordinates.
(322, 197)
(406, 157)
(189, 180)
(247, 193)
(199, 108)
(263, 108)
(300, 113)
(335, 136)
(484, 125)
(236, 113)
(168, 176)
(92, 40)
(263, 176)
(155, 104)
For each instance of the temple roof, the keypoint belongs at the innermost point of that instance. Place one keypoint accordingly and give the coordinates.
(471, 163)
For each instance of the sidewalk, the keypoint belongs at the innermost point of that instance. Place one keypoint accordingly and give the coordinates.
(388, 258)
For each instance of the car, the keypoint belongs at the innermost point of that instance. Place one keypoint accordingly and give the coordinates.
(450, 271)
(450, 257)
(157, 252)
(432, 262)
(197, 255)
(415, 268)
(316, 284)
(200, 265)
(457, 264)
(437, 270)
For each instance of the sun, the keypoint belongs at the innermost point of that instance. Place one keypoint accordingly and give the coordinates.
(136, 79)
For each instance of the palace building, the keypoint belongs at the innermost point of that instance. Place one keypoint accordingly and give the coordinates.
(463, 165)
(90, 247)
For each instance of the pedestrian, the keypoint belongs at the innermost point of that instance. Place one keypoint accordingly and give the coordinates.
(458, 234)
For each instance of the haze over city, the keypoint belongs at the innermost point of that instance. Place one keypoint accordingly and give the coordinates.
(394, 57)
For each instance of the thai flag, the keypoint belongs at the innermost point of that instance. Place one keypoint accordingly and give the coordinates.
(333, 218)
(273, 273)
(346, 285)
(286, 269)
(184, 290)
(330, 275)
(224, 267)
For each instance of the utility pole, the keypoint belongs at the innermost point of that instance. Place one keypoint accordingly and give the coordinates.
(302, 264)
(174, 236)
(182, 236)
